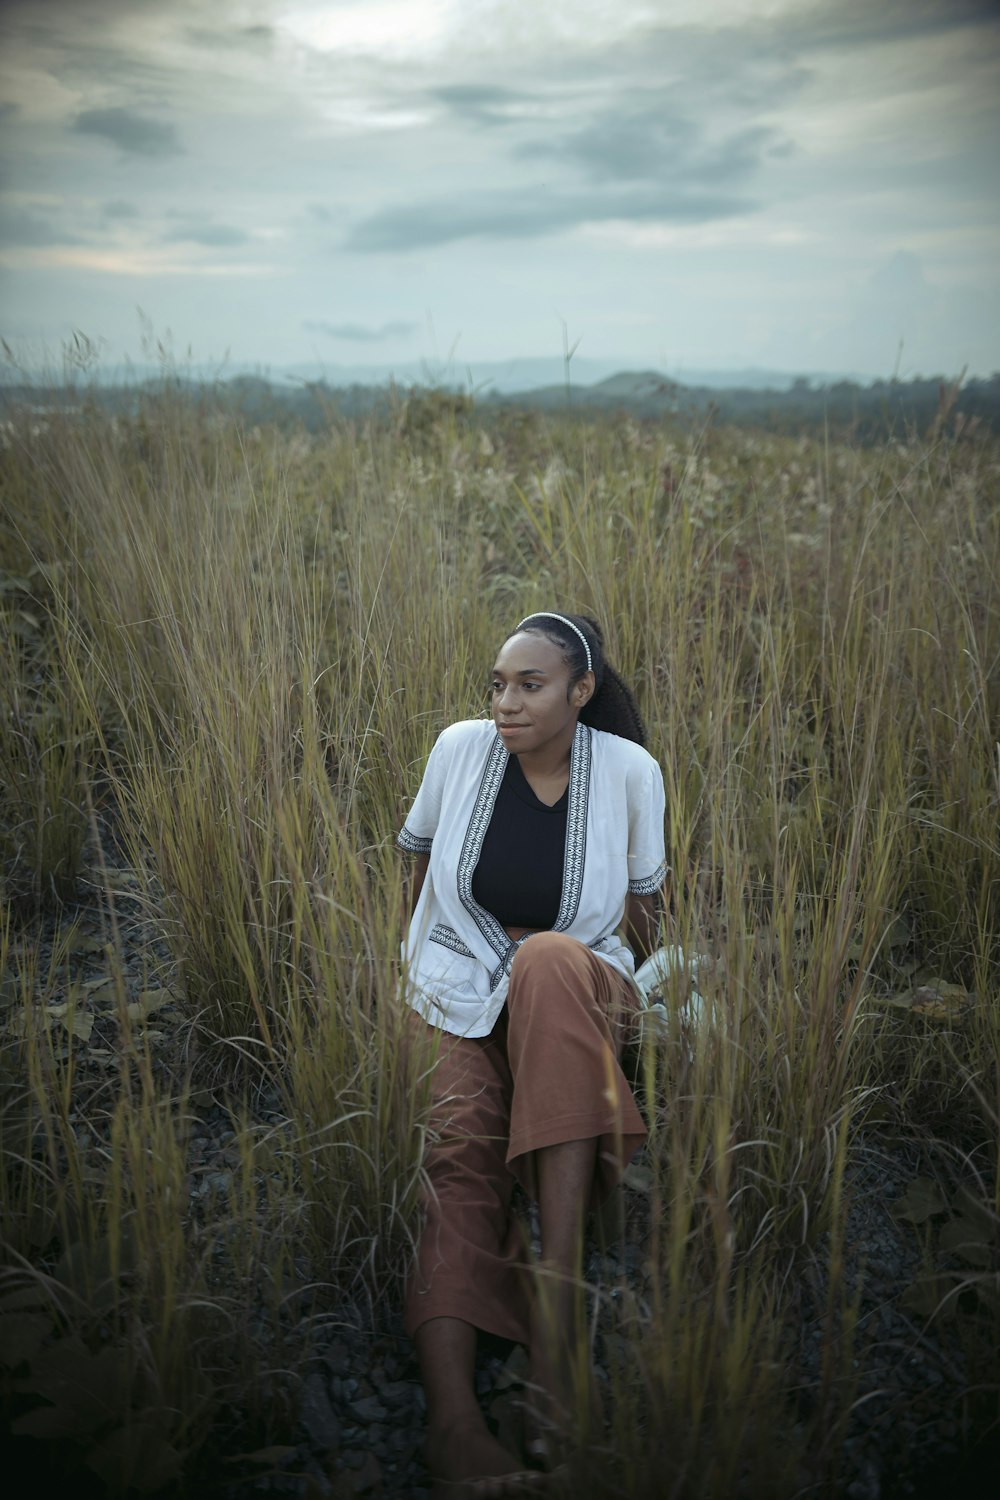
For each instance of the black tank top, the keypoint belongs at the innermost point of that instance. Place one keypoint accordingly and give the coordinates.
(520, 871)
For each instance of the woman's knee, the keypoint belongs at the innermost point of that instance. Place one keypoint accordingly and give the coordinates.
(549, 968)
(549, 951)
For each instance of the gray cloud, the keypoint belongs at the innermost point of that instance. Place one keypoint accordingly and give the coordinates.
(645, 142)
(134, 133)
(230, 36)
(641, 162)
(762, 59)
(480, 103)
(660, 126)
(529, 214)
(359, 333)
(858, 23)
(204, 232)
(119, 208)
(8, 109)
(19, 227)
(630, 144)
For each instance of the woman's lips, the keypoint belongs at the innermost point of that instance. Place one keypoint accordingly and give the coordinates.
(511, 728)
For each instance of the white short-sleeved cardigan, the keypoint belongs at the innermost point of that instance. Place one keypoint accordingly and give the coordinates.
(457, 956)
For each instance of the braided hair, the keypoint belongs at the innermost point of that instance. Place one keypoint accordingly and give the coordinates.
(612, 706)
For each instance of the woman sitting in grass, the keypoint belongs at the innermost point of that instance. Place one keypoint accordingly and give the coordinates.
(537, 836)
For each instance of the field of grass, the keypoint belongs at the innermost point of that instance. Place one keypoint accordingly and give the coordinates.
(226, 652)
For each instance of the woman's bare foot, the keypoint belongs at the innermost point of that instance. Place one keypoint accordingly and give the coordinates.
(468, 1463)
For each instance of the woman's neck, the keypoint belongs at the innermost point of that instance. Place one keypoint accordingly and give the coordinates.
(547, 771)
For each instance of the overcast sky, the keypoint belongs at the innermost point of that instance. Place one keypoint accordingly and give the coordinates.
(678, 183)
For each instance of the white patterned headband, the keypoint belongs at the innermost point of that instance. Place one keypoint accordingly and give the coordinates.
(547, 614)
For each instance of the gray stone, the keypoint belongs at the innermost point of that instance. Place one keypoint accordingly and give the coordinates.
(318, 1416)
(397, 1393)
(369, 1409)
(337, 1357)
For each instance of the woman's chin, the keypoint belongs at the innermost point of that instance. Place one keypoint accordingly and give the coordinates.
(514, 739)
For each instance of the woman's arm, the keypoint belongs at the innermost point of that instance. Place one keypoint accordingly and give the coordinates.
(641, 923)
(415, 883)
(641, 926)
(646, 803)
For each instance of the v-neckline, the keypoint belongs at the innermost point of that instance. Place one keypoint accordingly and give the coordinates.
(578, 799)
(522, 788)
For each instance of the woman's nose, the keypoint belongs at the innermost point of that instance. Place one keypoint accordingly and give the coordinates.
(508, 699)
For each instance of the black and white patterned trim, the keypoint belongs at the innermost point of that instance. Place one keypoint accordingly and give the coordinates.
(650, 885)
(482, 811)
(449, 938)
(504, 967)
(576, 829)
(411, 844)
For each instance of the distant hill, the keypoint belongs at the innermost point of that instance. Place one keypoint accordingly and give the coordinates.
(844, 406)
(505, 376)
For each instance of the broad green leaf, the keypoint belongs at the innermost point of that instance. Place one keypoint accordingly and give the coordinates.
(922, 1199)
(119, 880)
(85, 1390)
(21, 1336)
(136, 1457)
(968, 1239)
(903, 1001)
(930, 1297)
(638, 1177)
(62, 1420)
(80, 1025)
(515, 1371)
(148, 1002)
(105, 995)
(80, 942)
(32, 1295)
(964, 1201)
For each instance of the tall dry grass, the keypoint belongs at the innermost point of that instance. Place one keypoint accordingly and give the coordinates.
(243, 645)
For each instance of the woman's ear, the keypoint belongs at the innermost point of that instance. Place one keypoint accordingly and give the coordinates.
(583, 690)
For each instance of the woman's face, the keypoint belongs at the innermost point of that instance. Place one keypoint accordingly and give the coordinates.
(533, 706)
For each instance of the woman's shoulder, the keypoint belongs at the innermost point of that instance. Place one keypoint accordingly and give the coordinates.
(465, 735)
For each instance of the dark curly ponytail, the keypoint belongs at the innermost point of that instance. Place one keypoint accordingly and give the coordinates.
(612, 707)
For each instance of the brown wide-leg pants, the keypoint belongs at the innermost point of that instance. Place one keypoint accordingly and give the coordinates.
(547, 1073)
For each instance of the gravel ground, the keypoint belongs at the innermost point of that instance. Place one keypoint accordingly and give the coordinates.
(361, 1407)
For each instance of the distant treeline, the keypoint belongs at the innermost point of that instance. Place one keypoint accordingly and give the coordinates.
(862, 413)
